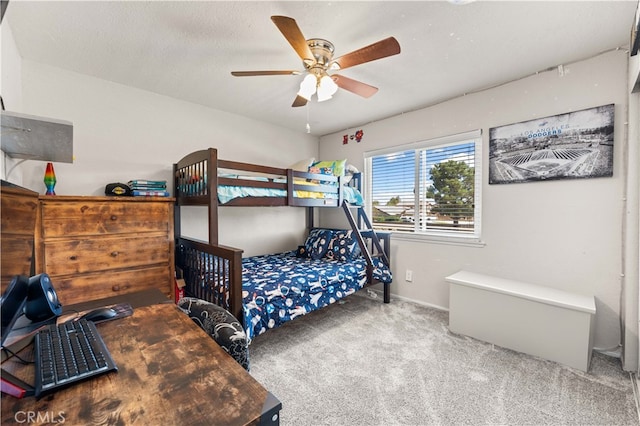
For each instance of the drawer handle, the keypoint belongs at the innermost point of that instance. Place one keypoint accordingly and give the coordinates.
(114, 217)
(114, 254)
(73, 257)
(117, 287)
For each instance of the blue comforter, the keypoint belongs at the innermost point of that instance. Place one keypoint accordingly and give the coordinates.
(278, 288)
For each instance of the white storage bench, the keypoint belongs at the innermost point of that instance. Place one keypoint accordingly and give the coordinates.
(537, 320)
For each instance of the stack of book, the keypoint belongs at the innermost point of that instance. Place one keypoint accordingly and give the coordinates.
(148, 188)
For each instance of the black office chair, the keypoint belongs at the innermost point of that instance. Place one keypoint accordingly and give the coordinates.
(223, 327)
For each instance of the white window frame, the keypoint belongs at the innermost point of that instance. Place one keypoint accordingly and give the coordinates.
(430, 235)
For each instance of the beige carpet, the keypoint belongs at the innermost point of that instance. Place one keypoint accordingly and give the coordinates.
(363, 362)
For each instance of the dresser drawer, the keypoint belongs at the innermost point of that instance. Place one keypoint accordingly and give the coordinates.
(100, 218)
(16, 258)
(81, 288)
(18, 214)
(62, 257)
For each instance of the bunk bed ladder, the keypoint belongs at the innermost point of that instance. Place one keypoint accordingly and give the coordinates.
(366, 231)
(377, 251)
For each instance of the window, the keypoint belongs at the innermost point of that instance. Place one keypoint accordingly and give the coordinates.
(445, 171)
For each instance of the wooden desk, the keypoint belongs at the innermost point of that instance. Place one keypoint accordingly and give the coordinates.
(169, 372)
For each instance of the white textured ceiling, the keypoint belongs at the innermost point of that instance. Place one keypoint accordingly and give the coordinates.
(187, 49)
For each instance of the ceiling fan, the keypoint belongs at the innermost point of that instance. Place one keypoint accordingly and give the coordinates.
(317, 58)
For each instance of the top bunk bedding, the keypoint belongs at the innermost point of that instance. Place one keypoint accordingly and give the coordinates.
(227, 193)
(201, 174)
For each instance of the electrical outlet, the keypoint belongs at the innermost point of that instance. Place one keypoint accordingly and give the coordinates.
(408, 276)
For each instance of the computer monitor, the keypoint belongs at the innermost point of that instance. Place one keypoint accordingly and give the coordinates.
(12, 304)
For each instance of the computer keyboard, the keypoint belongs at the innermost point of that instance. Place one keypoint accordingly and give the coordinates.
(67, 353)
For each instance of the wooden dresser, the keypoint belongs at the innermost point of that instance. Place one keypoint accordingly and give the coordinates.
(96, 247)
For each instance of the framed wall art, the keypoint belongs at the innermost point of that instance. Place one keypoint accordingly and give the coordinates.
(567, 146)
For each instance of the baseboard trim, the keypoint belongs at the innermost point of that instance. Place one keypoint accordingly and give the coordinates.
(407, 299)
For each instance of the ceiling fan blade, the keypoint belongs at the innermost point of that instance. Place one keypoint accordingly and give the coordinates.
(299, 101)
(290, 30)
(381, 49)
(354, 86)
(253, 73)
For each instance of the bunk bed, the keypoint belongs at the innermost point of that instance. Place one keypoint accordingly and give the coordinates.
(266, 291)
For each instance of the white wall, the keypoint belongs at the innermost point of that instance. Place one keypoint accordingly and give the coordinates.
(11, 89)
(122, 133)
(564, 234)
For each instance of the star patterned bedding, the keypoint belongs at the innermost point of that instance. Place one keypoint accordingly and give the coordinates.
(278, 288)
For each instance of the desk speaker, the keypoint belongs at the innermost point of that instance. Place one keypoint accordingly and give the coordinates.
(42, 300)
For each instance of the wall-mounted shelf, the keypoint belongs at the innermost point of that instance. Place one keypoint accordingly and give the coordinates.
(36, 138)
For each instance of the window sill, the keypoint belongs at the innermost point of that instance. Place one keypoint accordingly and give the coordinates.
(438, 239)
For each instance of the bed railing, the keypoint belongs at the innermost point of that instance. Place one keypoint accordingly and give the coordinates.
(198, 175)
(212, 273)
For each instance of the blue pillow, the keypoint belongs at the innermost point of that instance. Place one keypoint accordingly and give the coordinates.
(343, 247)
(317, 243)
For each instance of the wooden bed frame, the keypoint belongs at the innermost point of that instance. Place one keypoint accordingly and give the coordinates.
(196, 260)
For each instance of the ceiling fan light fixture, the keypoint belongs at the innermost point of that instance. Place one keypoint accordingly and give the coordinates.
(326, 88)
(308, 86)
(323, 96)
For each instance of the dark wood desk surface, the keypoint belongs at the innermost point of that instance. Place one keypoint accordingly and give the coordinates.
(169, 372)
